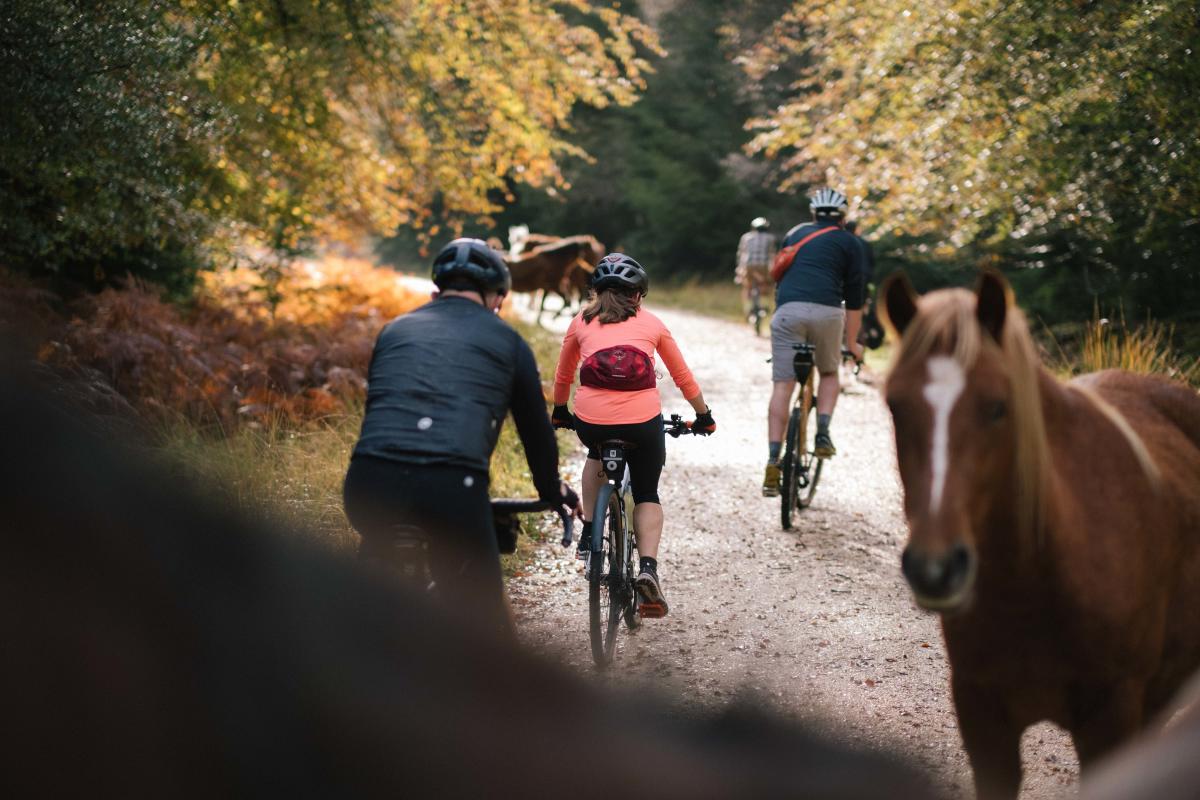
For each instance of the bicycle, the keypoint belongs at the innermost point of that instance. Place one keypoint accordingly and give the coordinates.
(801, 466)
(612, 539)
(409, 553)
(757, 312)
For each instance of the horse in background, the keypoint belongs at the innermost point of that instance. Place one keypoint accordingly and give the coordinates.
(1054, 526)
(520, 240)
(562, 266)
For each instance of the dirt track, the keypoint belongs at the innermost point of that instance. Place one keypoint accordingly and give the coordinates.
(816, 622)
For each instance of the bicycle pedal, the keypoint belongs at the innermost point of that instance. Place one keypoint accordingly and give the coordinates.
(651, 610)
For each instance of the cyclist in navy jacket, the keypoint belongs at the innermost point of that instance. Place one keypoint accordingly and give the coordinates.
(822, 276)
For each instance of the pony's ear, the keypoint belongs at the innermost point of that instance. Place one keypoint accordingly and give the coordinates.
(899, 301)
(993, 297)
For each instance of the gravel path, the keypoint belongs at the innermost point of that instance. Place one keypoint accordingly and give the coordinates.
(816, 622)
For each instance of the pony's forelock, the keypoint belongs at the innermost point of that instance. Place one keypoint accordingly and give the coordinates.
(946, 324)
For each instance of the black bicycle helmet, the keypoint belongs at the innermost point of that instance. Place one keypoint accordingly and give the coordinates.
(471, 260)
(619, 271)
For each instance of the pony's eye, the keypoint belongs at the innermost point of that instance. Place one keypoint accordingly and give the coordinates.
(997, 411)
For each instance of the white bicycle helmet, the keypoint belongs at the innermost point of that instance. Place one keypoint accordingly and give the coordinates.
(759, 223)
(829, 202)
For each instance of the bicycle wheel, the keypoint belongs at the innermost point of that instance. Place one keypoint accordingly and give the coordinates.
(605, 603)
(791, 470)
(809, 466)
(633, 620)
(757, 312)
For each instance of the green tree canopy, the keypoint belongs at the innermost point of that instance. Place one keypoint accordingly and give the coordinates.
(155, 127)
(1064, 138)
(667, 179)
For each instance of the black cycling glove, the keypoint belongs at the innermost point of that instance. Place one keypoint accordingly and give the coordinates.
(704, 425)
(568, 498)
(561, 418)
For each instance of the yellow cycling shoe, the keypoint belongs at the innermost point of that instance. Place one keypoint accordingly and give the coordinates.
(771, 480)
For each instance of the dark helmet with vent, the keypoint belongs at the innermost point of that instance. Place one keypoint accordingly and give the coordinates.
(473, 262)
(619, 271)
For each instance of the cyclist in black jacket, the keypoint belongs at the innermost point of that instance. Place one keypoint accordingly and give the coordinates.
(441, 381)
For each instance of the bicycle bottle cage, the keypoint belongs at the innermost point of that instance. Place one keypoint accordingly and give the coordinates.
(802, 362)
(612, 458)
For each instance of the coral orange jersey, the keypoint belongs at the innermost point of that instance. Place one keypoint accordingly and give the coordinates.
(643, 331)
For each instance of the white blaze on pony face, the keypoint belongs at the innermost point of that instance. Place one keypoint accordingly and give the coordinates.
(946, 383)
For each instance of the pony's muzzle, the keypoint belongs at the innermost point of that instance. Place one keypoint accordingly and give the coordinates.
(940, 581)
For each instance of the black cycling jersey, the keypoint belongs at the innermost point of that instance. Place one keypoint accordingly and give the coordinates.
(441, 381)
(826, 270)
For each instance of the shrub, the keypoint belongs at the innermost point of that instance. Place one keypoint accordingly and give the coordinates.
(1145, 349)
(232, 357)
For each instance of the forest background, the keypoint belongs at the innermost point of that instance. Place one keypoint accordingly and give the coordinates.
(160, 138)
(193, 193)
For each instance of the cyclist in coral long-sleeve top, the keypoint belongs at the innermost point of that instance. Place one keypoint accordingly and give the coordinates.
(616, 340)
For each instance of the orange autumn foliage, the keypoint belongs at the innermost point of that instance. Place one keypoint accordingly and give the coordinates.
(232, 357)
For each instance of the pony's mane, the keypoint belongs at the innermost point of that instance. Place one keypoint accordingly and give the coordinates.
(946, 324)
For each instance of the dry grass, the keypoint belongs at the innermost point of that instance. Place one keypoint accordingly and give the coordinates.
(1146, 348)
(255, 388)
(715, 299)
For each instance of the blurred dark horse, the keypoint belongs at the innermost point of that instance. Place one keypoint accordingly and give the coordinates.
(1055, 526)
(155, 645)
(562, 266)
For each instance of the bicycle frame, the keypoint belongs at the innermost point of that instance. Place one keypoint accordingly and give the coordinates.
(613, 512)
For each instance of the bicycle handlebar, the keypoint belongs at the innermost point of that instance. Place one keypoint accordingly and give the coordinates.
(524, 505)
(857, 362)
(677, 426)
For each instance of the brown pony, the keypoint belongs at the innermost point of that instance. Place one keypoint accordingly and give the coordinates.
(1056, 527)
(562, 266)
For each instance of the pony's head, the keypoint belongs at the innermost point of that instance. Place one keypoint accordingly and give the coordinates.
(963, 391)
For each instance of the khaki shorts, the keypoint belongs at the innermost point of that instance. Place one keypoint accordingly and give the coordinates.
(757, 273)
(795, 323)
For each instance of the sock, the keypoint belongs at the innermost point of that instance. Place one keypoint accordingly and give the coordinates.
(648, 564)
(823, 423)
(773, 449)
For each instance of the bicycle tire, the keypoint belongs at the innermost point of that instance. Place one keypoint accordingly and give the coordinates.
(633, 620)
(789, 488)
(605, 603)
(809, 473)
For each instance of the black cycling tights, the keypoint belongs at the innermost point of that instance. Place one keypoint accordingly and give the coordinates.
(645, 460)
(451, 505)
